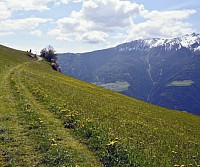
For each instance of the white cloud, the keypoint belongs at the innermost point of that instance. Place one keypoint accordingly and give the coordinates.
(110, 13)
(5, 33)
(162, 24)
(4, 12)
(96, 18)
(77, 1)
(94, 37)
(22, 24)
(37, 33)
(119, 36)
(29, 24)
(27, 4)
(74, 24)
(59, 2)
(64, 1)
(168, 15)
(59, 35)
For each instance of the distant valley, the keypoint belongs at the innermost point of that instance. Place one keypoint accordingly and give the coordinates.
(165, 72)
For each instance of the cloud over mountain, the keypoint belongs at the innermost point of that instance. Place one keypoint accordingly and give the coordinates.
(162, 24)
(98, 16)
(111, 16)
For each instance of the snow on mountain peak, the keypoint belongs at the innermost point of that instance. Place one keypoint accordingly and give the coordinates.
(191, 42)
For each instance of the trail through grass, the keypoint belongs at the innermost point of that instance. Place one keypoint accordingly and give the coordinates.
(62, 136)
(16, 148)
(30, 135)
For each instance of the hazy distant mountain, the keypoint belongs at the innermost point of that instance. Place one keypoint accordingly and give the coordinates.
(164, 72)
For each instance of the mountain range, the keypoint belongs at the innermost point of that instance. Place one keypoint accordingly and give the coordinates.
(164, 72)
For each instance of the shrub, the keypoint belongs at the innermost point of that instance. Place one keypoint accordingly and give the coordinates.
(48, 53)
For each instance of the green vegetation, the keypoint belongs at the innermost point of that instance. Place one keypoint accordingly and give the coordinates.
(116, 86)
(49, 119)
(181, 83)
(48, 53)
(30, 135)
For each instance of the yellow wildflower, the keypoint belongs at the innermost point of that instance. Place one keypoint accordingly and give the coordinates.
(53, 140)
(111, 143)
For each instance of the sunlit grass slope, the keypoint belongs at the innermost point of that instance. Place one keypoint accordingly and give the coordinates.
(30, 135)
(49, 119)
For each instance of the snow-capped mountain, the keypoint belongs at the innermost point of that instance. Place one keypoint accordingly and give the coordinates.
(164, 72)
(191, 42)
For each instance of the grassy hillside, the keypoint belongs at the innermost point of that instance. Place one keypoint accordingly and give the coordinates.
(49, 119)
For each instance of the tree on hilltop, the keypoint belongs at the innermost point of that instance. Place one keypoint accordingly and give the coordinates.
(48, 53)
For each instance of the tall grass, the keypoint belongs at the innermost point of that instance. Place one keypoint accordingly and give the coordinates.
(122, 131)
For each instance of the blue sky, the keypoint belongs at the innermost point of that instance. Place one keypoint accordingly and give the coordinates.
(80, 26)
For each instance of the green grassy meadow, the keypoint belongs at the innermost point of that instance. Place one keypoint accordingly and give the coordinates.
(181, 83)
(115, 86)
(49, 119)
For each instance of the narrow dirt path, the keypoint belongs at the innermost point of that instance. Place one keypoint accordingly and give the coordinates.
(15, 147)
(55, 126)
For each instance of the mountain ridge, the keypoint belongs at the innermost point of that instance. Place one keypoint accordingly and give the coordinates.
(187, 41)
(144, 65)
